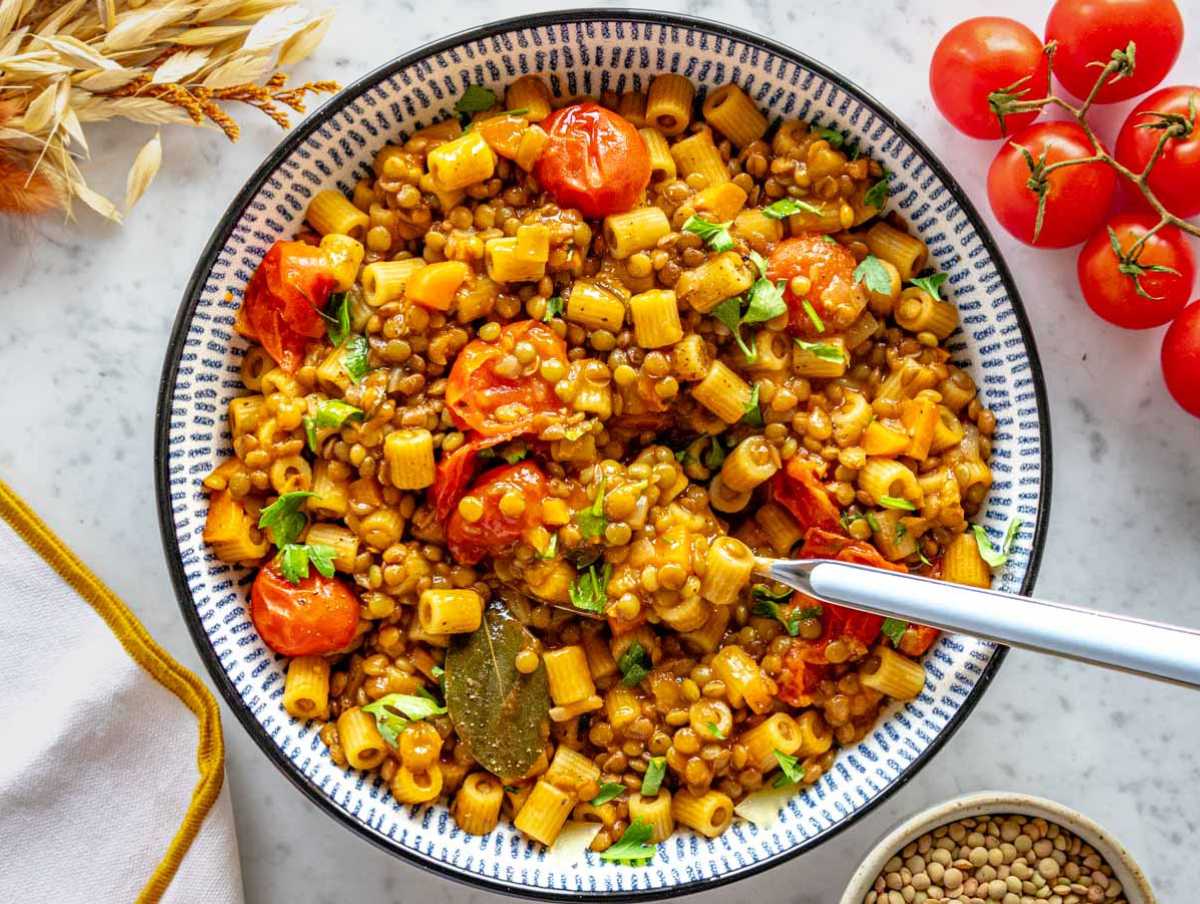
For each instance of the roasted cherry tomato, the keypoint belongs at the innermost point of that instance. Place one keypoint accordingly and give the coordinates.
(829, 267)
(480, 399)
(980, 56)
(454, 473)
(1077, 197)
(283, 302)
(1088, 31)
(1181, 359)
(595, 160)
(798, 489)
(1114, 294)
(317, 616)
(509, 503)
(1175, 176)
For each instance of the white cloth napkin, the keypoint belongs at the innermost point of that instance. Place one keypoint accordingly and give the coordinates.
(111, 758)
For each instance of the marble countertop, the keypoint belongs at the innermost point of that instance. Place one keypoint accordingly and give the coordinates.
(86, 315)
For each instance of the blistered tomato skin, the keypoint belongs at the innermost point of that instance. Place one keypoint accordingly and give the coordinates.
(829, 268)
(507, 501)
(595, 160)
(318, 615)
(284, 299)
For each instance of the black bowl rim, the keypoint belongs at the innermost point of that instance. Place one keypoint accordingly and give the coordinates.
(191, 298)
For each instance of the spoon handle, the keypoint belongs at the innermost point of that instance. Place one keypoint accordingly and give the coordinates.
(1156, 650)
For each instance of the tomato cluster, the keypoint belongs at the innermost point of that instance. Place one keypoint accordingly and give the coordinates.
(1055, 184)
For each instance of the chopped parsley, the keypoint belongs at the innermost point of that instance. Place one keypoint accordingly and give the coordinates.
(993, 556)
(753, 413)
(817, 322)
(475, 99)
(331, 413)
(715, 730)
(729, 312)
(656, 771)
(284, 518)
(634, 665)
(786, 207)
(768, 604)
(931, 283)
(790, 770)
(871, 522)
(395, 712)
(715, 456)
(356, 357)
(826, 351)
(877, 194)
(833, 136)
(592, 521)
(760, 262)
(294, 559)
(589, 591)
(512, 456)
(337, 318)
(893, 629)
(895, 502)
(874, 275)
(551, 548)
(766, 301)
(632, 846)
(608, 791)
(715, 235)
(554, 308)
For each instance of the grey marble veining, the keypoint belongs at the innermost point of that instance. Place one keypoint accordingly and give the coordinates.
(87, 310)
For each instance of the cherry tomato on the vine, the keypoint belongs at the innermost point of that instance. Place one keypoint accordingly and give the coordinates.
(595, 160)
(1137, 294)
(316, 616)
(1181, 359)
(977, 57)
(1175, 176)
(1088, 31)
(1077, 197)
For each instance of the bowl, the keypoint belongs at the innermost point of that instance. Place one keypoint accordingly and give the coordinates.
(585, 51)
(989, 803)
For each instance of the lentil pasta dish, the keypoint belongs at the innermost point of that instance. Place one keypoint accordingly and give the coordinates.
(522, 410)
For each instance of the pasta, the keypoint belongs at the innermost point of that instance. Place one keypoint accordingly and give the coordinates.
(588, 412)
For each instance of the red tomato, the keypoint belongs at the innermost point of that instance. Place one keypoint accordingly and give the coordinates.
(980, 56)
(835, 296)
(317, 616)
(799, 491)
(283, 302)
(1077, 197)
(1175, 176)
(480, 399)
(595, 160)
(454, 473)
(1181, 359)
(495, 532)
(1114, 295)
(1089, 31)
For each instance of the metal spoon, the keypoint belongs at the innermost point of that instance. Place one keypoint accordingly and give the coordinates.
(1166, 652)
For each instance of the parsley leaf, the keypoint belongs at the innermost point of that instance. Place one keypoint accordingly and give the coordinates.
(759, 262)
(632, 845)
(753, 413)
(715, 456)
(817, 322)
(877, 194)
(811, 612)
(871, 522)
(682, 456)
(823, 350)
(833, 136)
(715, 235)
(634, 665)
(512, 456)
(656, 771)
(766, 301)
(355, 357)
(394, 712)
(993, 556)
(475, 99)
(931, 283)
(337, 318)
(924, 558)
(589, 591)
(790, 770)
(284, 518)
(310, 432)
(896, 502)
(591, 520)
(551, 548)
(715, 730)
(786, 207)
(893, 629)
(767, 604)
(729, 312)
(874, 275)
(335, 412)
(608, 791)
(554, 308)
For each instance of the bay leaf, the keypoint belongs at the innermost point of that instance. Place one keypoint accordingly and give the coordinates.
(501, 715)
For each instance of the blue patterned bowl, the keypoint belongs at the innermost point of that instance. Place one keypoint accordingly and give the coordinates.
(586, 52)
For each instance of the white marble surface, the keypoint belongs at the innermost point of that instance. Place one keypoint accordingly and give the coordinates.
(87, 310)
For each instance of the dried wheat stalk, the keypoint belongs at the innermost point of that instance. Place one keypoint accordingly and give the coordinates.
(160, 62)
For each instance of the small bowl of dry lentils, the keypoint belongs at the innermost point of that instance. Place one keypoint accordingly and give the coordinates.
(997, 847)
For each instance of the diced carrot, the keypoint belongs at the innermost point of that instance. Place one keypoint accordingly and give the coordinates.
(880, 439)
(503, 134)
(920, 416)
(434, 286)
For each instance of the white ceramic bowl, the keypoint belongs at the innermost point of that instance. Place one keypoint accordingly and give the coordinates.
(586, 51)
(990, 803)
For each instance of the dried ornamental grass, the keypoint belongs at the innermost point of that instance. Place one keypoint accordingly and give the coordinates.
(161, 62)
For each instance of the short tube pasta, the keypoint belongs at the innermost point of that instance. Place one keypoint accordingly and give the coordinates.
(410, 787)
(477, 805)
(655, 318)
(815, 735)
(890, 673)
(444, 611)
(669, 103)
(723, 393)
(594, 306)
(727, 569)
(360, 739)
(635, 230)
(744, 679)
(632, 106)
(886, 477)
(662, 164)
(717, 279)
(728, 110)
(655, 812)
(409, 456)
(962, 563)
(903, 251)
(462, 162)
(920, 312)
(306, 687)
(570, 769)
(752, 462)
(696, 155)
(709, 813)
(544, 812)
(570, 679)
(385, 281)
(778, 732)
(329, 212)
